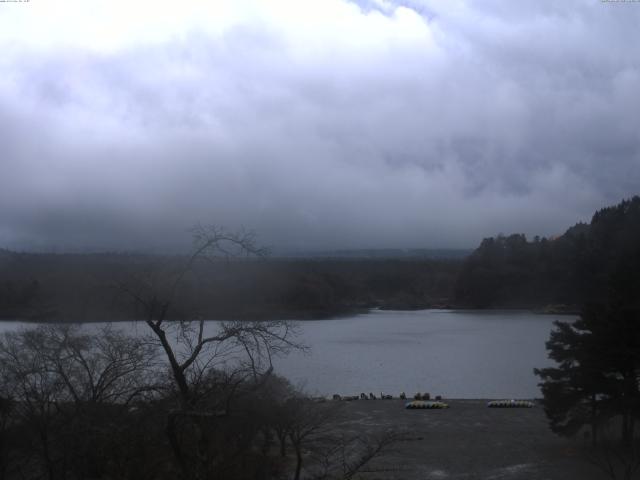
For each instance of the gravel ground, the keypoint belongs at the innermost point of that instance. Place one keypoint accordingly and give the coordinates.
(468, 441)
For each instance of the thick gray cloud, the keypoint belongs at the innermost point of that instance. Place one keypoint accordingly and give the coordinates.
(326, 124)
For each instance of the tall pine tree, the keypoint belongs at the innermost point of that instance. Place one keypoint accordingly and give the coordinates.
(596, 378)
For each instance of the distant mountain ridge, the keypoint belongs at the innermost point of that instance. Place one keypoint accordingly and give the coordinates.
(380, 253)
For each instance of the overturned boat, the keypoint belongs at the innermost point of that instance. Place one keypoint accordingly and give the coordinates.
(425, 404)
(510, 404)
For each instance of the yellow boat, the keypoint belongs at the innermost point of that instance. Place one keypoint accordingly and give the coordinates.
(425, 404)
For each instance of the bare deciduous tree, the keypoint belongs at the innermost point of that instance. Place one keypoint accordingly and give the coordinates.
(322, 449)
(244, 349)
(58, 378)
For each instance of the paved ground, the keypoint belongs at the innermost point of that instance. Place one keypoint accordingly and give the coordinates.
(469, 441)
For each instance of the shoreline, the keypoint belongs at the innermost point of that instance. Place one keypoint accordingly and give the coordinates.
(315, 316)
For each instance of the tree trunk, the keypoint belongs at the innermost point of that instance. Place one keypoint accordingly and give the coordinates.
(172, 435)
(298, 462)
(203, 451)
(178, 372)
(282, 437)
(267, 441)
(626, 428)
(594, 421)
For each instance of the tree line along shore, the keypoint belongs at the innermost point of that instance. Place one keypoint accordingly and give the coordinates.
(549, 275)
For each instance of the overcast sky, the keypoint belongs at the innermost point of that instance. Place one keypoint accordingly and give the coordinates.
(318, 124)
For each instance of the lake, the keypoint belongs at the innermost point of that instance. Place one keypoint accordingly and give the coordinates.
(457, 354)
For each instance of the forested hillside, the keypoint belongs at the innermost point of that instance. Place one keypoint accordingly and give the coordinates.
(588, 262)
(87, 287)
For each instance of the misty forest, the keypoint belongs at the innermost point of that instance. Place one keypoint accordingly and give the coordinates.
(305, 240)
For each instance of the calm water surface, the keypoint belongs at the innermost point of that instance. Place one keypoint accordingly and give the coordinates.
(457, 354)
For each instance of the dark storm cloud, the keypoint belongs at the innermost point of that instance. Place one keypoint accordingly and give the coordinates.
(328, 124)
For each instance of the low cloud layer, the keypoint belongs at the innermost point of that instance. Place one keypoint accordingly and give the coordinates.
(326, 124)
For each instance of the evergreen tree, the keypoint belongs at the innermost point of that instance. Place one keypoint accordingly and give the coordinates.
(585, 264)
(596, 378)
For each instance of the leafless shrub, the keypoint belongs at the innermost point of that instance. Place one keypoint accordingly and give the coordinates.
(64, 386)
